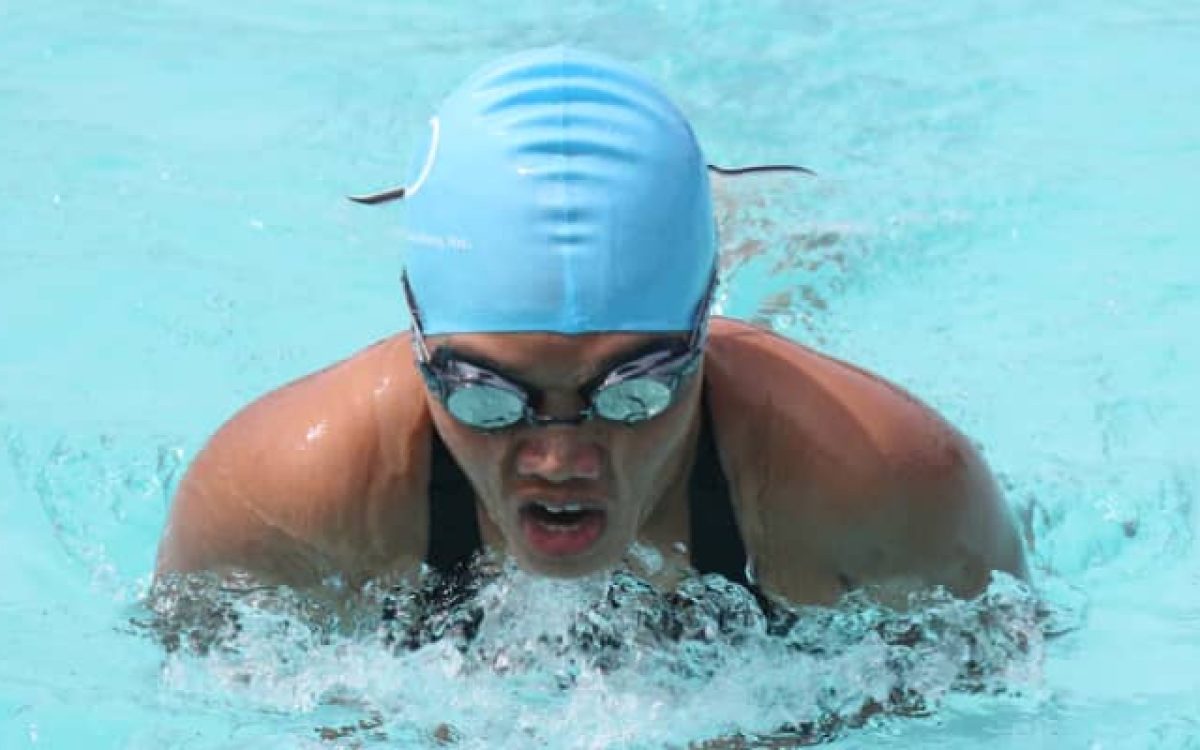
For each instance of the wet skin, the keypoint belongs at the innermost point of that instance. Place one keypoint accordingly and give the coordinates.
(838, 478)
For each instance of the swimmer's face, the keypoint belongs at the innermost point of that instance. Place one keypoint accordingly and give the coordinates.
(568, 499)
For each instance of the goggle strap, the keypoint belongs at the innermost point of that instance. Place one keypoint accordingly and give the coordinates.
(414, 313)
(700, 323)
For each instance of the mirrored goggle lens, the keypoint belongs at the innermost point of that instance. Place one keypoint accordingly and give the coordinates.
(634, 400)
(486, 406)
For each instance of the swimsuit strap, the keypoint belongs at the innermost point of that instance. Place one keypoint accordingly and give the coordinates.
(716, 541)
(717, 545)
(453, 528)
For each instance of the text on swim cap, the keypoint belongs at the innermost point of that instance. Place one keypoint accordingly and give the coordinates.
(444, 242)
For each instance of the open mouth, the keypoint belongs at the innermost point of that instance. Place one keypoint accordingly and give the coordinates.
(562, 528)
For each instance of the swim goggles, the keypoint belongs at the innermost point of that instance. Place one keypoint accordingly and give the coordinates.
(632, 392)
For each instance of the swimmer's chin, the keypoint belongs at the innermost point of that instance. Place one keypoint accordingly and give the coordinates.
(594, 562)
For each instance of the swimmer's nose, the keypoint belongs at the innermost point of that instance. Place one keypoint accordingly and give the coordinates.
(558, 454)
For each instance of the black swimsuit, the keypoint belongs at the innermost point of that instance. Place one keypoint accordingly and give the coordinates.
(716, 541)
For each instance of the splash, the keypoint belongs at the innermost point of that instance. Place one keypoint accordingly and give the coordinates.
(772, 243)
(103, 497)
(514, 660)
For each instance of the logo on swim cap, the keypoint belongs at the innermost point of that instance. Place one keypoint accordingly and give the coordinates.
(559, 191)
(435, 131)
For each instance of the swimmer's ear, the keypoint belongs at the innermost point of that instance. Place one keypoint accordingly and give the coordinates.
(386, 196)
(735, 171)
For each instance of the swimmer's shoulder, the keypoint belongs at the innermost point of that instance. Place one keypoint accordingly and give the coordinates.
(831, 409)
(320, 477)
(839, 470)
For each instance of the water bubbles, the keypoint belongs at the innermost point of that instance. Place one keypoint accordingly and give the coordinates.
(505, 659)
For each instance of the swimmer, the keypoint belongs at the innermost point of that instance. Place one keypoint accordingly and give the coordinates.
(564, 395)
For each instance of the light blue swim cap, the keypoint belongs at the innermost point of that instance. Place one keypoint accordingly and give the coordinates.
(559, 191)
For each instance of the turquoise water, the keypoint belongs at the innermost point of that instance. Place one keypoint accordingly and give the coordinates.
(1003, 224)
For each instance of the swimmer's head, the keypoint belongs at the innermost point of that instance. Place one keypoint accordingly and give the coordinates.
(558, 191)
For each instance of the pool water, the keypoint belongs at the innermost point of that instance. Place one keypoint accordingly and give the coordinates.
(1002, 223)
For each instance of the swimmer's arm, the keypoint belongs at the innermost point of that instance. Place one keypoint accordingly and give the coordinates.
(275, 498)
(298, 487)
(226, 519)
(942, 521)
